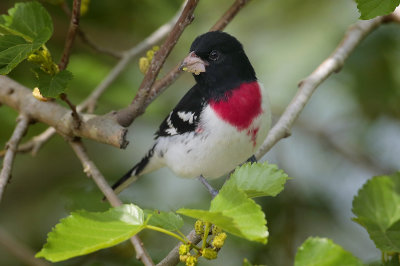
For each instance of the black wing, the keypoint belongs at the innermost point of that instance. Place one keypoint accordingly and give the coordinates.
(185, 116)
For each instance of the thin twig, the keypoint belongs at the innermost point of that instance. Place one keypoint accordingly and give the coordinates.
(20, 250)
(92, 171)
(76, 118)
(229, 15)
(11, 147)
(82, 35)
(85, 39)
(354, 35)
(169, 78)
(126, 116)
(73, 26)
(35, 143)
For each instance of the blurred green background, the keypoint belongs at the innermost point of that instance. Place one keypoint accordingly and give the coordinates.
(348, 132)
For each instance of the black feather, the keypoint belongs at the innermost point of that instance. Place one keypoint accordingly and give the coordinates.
(136, 170)
(193, 102)
(228, 71)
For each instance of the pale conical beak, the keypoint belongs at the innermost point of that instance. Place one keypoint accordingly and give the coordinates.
(193, 64)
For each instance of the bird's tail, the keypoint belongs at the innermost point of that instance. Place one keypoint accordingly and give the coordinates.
(147, 164)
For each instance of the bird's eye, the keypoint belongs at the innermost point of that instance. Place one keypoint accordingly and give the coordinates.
(214, 55)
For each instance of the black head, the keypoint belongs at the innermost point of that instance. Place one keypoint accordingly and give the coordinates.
(226, 64)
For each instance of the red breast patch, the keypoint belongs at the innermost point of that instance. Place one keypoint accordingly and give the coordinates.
(241, 105)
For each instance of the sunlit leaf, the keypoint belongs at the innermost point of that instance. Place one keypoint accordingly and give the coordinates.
(373, 8)
(324, 252)
(377, 209)
(84, 232)
(167, 220)
(24, 30)
(259, 179)
(29, 20)
(52, 86)
(13, 50)
(235, 213)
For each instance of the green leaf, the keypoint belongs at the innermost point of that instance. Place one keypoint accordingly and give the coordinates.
(377, 209)
(259, 179)
(373, 8)
(52, 86)
(13, 50)
(235, 213)
(27, 27)
(324, 252)
(167, 220)
(29, 20)
(85, 232)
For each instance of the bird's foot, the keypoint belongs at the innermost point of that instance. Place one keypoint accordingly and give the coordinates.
(210, 189)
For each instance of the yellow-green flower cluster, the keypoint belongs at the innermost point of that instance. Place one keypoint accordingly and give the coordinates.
(210, 247)
(42, 57)
(144, 62)
(199, 227)
(84, 7)
(185, 256)
(219, 240)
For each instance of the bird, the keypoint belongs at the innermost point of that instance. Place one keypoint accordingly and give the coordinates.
(218, 124)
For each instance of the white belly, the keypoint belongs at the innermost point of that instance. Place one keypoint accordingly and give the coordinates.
(216, 149)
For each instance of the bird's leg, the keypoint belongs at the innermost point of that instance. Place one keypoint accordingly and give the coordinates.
(210, 189)
(213, 191)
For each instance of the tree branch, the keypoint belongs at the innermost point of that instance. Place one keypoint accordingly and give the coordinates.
(173, 256)
(20, 250)
(229, 15)
(92, 171)
(354, 35)
(37, 142)
(11, 148)
(73, 28)
(85, 39)
(126, 116)
(103, 129)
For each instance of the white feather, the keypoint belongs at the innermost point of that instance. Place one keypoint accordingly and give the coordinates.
(186, 116)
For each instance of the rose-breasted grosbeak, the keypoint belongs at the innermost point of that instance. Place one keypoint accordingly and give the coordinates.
(221, 120)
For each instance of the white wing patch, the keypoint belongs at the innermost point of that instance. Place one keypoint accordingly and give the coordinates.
(171, 130)
(187, 116)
